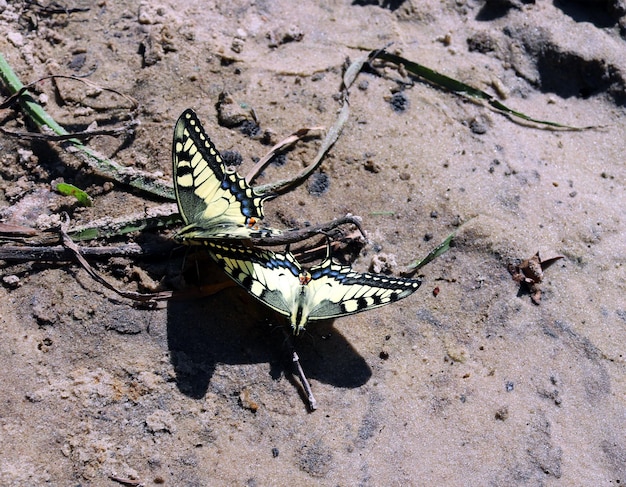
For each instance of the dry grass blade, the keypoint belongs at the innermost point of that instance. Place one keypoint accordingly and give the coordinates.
(69, 244)
(305, 233)
(59, 253)
(15, 97)
(331, 137)
(125, 129)
(282, 145)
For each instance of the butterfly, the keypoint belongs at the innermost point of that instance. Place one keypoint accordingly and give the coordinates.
(325, 291)
(214, 201)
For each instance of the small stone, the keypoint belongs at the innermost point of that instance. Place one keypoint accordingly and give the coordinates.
(11, 281)
(502, 414)
(16, 39)
(371, 166)
(161, 421)
(149, 14)
(383, 263)
(478, 126)
(231, 112)
(237, 45)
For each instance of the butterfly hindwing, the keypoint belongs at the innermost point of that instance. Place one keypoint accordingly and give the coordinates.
(266, 275)
(214, 201)
(337, 290)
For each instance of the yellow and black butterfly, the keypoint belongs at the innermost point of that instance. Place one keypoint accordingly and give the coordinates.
(214, 201)
(325, 291)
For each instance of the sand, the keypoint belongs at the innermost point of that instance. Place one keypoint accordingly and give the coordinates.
(475, 385)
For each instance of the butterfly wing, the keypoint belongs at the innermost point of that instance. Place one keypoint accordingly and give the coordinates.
(271, 277)
(337, 290)
(213, 201)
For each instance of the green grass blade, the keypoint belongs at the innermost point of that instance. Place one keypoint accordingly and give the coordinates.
(123, 226)
(463, 89)
(442, 248)
(70, 190)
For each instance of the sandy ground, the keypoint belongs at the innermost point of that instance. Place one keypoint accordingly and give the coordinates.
(474, 386)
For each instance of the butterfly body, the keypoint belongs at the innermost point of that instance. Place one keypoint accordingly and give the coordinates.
(325, 291)
(214, 201)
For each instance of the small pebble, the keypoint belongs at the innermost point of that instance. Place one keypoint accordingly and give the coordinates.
(16, 39)
(11, 281)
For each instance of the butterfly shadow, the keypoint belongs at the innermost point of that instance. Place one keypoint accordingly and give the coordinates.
(232, 328)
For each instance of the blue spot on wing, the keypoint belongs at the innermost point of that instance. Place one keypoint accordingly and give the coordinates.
(276, 261)
(232, 184)
(336, 272)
